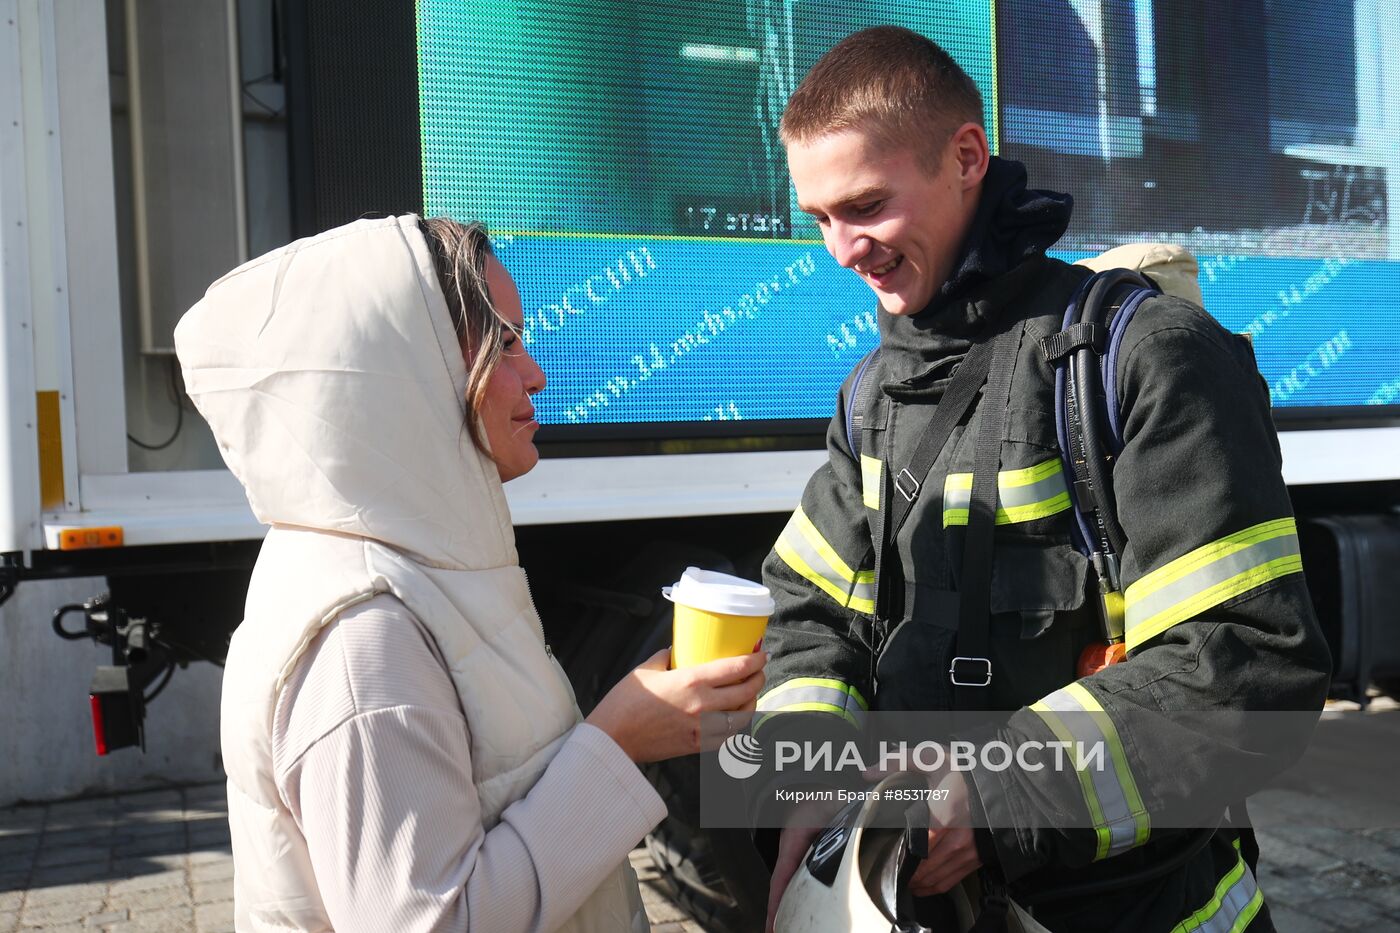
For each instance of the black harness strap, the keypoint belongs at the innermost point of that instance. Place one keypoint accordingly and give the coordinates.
(902, 489)
(971, 670)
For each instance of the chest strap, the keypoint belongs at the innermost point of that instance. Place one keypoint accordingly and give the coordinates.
(971, 670)
(990, 363)
(903, 488)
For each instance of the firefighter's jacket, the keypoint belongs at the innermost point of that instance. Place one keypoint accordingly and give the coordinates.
(1218, 616)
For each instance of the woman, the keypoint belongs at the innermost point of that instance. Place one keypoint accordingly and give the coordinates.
(403, 753)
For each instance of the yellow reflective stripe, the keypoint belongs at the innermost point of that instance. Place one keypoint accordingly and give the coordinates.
(798, 683)
(1086, 781)
(870, 471)
(1022, 495)
(1234, 904)
(803, 549)
(819, 544)
(1210, 575)
(814, 694)
(1030, 475)
(1115, 806)
(1142, 825)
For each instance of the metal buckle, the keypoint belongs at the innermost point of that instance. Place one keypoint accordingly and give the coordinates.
(906, 476)
(987, 675)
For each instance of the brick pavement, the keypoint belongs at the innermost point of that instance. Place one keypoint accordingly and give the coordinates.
(155, 862)
(148, 862)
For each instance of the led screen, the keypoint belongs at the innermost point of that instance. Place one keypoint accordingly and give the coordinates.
(626, 158)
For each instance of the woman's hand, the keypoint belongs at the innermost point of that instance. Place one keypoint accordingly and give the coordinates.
(654, 713)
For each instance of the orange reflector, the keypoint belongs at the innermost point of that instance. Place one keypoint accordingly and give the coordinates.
(77, 539)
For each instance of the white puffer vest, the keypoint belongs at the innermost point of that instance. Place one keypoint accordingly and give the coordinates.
(332, 379)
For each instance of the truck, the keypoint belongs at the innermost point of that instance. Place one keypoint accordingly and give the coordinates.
(626, 158)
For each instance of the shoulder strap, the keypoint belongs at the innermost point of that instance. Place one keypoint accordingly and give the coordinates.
(971, 669)
(906, 485)
(858, 401)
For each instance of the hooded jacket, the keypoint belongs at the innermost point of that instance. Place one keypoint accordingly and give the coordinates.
(333, 381)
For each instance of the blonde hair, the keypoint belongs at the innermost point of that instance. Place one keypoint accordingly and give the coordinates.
(888, 81)
(459, 255)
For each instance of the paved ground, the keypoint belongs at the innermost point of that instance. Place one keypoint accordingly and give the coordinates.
(155, 862)
(160, 861)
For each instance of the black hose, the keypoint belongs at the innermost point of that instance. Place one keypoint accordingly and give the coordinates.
(165, 680)
(1088, 388)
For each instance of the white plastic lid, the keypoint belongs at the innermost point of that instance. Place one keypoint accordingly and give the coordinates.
(721, 593)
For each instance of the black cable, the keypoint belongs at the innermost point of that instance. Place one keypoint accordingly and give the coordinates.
(164, 682)
(188, 652)
(179, 415)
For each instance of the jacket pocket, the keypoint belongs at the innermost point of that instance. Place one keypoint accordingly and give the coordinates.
(1041, 620)
(911, 667)
(1034, 579)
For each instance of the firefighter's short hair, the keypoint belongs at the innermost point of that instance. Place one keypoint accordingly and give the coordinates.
(889, 81)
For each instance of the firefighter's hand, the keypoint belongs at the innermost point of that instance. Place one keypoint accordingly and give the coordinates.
(654, 713)
(802, 829)
(952, 852)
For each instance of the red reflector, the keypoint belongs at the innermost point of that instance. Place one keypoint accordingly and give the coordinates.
(99, 729)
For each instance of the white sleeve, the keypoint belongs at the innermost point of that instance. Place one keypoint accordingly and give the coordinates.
(378, 777)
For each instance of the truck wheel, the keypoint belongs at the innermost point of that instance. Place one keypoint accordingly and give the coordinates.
(716, 875)
(605, 628)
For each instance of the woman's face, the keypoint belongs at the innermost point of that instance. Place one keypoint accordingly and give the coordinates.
(507, 414)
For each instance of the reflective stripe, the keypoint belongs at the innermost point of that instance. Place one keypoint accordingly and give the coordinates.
(818, 694)
(804, 549)
(1115, 807)
(1210, 575)
(1022, 495)
(870, 471)
(1237, 899)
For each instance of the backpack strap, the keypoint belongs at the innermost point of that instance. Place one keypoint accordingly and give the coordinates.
(862, 388)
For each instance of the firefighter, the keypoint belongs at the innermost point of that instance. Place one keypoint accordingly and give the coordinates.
(889, 156)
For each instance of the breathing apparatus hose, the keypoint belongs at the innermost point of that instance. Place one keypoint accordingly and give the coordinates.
(1088, 386)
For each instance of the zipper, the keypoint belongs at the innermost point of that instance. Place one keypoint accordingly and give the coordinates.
(530, 594)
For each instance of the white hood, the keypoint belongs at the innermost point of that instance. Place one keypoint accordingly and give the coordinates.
(331, 376)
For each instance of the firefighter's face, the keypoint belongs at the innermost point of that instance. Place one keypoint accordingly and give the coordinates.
(507, 413)
(885, 215)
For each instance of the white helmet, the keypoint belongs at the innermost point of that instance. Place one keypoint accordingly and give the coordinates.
(852, 880)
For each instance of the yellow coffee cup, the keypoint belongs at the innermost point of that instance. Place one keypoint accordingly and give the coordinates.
(716, 616)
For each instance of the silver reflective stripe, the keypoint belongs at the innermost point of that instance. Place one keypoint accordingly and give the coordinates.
(1120, 807)
(871, 473)
(1022, 495)
(1009, 497)
(1236, 901)
(1209, 576)
(802, 547)
(815, 694)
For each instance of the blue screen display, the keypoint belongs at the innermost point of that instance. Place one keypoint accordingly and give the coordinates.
(626, 158)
